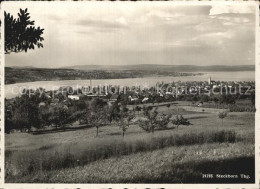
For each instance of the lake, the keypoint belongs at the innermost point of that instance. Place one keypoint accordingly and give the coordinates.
(12, 90)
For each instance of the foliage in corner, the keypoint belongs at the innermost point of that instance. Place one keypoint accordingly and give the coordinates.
(20, 33)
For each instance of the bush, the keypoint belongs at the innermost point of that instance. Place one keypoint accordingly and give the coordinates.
(180, 120)
(163, 121)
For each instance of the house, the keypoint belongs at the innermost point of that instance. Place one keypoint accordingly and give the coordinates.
(41, 104)
(48, 94)
(160, 93)
(73, 97)
(145, 99)
(133, 98)
(114, 97)
(200, 104)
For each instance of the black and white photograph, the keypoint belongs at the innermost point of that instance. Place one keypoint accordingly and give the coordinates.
(130, 93)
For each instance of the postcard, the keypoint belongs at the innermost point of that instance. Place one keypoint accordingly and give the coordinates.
(129, 94)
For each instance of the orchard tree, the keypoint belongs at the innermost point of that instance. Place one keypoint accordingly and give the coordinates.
(20, 120)
(45, 117)
(154, 120)
(113, 113)
(150, 121)
(20, 33)
(97, 119)
(78, 116)
(222, 115)
(60, 116)
(124, 120)
(23, 113)
(163, 121)
(97, 113)
(27, 110)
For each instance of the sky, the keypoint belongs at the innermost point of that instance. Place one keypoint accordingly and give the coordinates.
(131, 33)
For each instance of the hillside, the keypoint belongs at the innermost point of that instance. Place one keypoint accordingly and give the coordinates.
(24, 74)
(175, 68)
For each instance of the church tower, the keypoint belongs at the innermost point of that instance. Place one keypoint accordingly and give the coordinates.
(209, 80)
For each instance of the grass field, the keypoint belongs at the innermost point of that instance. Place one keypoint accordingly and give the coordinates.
(168, 156)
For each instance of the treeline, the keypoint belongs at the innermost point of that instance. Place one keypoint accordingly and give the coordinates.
(224, 101)
(30, 112)
(221, 99)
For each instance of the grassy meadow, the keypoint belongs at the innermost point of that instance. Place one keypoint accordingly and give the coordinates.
(172, 155)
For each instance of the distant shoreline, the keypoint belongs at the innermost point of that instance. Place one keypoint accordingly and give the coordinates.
(149, 67)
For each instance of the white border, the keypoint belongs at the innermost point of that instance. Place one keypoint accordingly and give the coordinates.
(94, 186)
(257, 100)
(2, 74)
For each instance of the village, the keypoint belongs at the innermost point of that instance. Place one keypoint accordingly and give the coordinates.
(143, 94)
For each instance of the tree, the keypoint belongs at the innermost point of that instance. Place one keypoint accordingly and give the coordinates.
(147, 108)
(113, 113)
(97, 113)
(163, 121)
(124, 120)
(78, 116)
(61, 116)
(204, 98)
(97, 119)
(123, 98)
(20, 33)
(227, 99)
(252, 98)
(138, 109)
(23, 113)
(222, 115)
(46, 117)
(27, 111)
(8, 119)
(20, 120)
(80, 105)
(151, 122)
(125, 109)
(158, 99)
